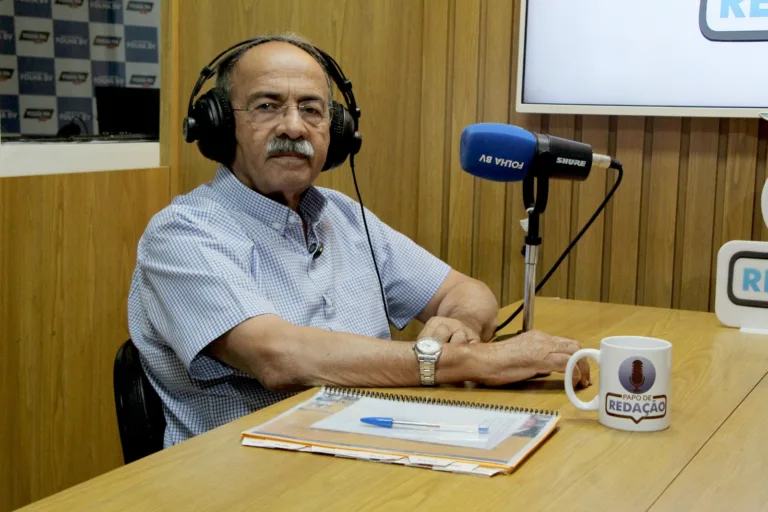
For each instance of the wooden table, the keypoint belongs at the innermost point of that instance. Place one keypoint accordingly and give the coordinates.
(731, 470)
(713, 454)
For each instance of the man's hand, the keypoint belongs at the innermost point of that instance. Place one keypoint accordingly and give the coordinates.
(468, 300)
(530, 354)
(448, 330)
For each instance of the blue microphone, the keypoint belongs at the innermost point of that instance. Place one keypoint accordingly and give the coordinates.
(502, 152)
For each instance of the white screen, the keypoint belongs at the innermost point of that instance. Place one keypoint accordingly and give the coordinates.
(649, 53)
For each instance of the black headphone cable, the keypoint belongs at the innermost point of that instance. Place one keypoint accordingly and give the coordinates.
(368, 235)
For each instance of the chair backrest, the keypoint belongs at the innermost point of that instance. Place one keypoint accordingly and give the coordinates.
(140, 415)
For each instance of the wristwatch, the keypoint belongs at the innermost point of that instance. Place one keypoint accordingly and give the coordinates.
(427, 351)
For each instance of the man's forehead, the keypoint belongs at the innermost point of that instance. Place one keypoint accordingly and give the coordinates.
(274, 60)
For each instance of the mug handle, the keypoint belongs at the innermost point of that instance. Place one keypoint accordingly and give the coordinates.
(592, 405)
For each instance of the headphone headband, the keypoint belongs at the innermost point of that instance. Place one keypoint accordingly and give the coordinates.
(208, 71)
(330, 66)
(342, 83)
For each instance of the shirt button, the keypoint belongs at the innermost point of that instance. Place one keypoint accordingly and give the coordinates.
(312, 247)
(277, 225)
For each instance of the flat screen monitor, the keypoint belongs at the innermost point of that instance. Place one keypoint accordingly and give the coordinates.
(705, 58)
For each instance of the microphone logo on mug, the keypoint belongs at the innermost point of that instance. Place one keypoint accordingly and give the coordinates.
(637, 376)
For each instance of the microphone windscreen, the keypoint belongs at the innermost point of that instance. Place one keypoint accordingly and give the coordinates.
(495, 151)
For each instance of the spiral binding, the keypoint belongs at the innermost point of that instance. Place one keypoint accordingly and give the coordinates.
(359, 393)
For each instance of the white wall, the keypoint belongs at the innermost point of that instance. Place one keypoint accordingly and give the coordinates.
(31, 158)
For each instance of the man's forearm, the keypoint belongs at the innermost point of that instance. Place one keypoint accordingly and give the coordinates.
(474, 304)
(287, 357)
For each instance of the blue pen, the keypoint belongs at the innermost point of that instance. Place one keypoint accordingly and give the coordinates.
(393, 423)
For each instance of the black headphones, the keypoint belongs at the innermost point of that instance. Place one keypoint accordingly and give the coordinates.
(211, 122)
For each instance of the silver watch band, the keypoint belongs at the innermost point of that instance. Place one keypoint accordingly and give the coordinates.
(427, 370)
(428, 352)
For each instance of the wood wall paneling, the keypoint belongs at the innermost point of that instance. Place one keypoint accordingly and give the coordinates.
(381, 32)
(660, 209)
(741, 166)
(682, 177)
(490, 197)
(587, 259)
(557, 219)
(464, 111)
(513, 278)
(68, 249)
(7, 378)
(434, 151)
(698, 196)
(717, 228)
(620, 271)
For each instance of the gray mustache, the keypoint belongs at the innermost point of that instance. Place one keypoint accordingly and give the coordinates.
(281, 145)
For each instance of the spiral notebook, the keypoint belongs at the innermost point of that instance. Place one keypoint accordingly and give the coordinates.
(329, 423)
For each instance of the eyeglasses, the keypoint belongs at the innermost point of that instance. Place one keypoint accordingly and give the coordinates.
(312, 113)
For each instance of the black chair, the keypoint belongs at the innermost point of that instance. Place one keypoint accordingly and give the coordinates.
(140, 417)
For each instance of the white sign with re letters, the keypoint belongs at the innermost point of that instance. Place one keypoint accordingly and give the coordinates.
(741, 296)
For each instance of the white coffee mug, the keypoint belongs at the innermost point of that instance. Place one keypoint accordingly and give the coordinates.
(634, 382)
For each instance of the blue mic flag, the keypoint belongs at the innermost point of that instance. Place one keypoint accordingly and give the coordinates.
(495, 151)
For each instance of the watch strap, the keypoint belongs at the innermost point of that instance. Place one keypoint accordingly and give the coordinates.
(427, 370)
(427, 364)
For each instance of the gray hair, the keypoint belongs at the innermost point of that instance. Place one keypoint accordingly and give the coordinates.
(226, 67)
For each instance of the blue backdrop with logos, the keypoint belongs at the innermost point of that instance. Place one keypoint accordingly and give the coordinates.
(54, 52)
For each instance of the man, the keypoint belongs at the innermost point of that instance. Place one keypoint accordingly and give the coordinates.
(232, 305)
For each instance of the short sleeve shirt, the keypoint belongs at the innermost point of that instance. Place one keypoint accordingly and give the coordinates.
(224, 253)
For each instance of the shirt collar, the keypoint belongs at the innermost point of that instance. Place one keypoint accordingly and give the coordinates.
(260, 207)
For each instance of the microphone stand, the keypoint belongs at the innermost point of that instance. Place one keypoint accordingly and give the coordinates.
(534, 206)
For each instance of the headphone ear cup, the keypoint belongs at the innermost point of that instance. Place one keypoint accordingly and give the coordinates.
(215, 126)
(342, 137)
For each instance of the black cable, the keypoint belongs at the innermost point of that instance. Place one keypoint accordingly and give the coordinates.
(370, 244)
(85, 126)
(71, 129)
(615, 164)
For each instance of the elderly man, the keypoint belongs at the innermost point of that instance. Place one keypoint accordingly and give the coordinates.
(232, 307)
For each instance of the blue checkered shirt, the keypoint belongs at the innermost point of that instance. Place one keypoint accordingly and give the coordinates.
(223, 253)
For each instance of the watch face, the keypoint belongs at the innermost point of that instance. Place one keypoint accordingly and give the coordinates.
(429, 346)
